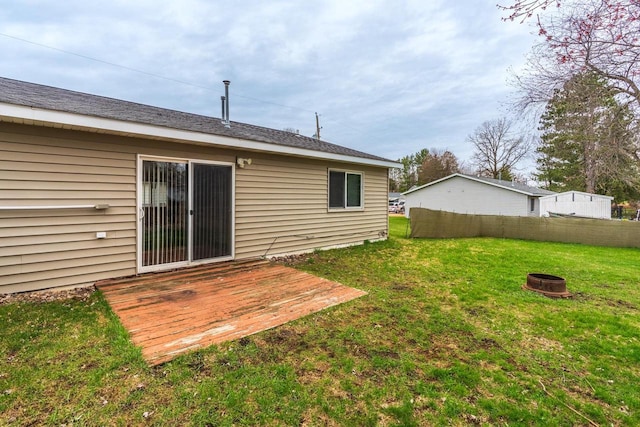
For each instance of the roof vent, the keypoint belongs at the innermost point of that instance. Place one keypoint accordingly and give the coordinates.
(225, 104)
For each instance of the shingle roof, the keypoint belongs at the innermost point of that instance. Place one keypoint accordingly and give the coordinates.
(535, 191)
(50, 98)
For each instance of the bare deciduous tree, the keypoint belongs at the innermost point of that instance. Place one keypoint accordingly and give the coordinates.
(578, 36)
(496, 151)
(438, 164)
(422, 167)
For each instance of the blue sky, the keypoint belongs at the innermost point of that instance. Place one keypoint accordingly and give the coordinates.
(388, 78)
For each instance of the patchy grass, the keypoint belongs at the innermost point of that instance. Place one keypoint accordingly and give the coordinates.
(446, 335)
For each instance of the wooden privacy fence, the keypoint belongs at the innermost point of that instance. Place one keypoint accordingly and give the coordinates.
(439, 224)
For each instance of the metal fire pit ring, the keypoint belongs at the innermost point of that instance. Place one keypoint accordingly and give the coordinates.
(547, 285)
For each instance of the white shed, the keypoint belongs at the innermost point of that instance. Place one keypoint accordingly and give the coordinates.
(577, 203)
(469, 194)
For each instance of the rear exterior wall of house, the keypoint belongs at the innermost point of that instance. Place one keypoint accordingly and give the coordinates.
(281, 204)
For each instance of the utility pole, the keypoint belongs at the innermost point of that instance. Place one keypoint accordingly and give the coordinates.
(317, 127)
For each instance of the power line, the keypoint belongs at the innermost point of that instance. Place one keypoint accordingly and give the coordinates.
(136, 70)
(158, 76)
(272, 103)
(103, 61)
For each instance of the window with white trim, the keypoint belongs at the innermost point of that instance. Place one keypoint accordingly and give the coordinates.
(345, 190)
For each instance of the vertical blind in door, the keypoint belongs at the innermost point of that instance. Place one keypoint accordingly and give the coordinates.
(164, 212)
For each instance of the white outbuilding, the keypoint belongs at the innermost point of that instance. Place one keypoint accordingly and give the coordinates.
(576, 203)
(474, 195)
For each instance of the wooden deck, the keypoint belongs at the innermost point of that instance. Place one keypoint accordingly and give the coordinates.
(170, 313)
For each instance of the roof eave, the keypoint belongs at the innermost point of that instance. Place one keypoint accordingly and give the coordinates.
(471, 178)
(428, 184)
(59, 119)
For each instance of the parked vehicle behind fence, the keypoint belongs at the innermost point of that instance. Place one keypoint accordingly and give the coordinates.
(396, 207)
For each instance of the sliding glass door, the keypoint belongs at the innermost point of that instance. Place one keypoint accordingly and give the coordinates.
(185, 213)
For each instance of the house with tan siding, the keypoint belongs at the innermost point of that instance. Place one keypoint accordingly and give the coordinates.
(94, 188)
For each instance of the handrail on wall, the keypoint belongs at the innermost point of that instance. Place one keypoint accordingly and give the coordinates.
(98, 207)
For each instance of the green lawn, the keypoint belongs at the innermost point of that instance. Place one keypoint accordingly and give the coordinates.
(446, 335)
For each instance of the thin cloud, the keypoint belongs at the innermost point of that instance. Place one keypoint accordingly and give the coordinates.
(386, 79)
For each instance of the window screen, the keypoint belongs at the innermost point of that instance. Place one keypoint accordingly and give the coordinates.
(353, 190)
(336, 189)
(345, 190)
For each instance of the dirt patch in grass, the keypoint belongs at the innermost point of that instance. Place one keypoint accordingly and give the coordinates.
(611, 302)
(488, 344)
(313, 373)
(542, 343)
(621, 304)
(400, 288)
(287, 339)
(81, 294)
(290, 260)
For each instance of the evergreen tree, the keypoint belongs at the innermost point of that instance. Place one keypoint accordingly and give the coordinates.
(410, 172)
(587, 141)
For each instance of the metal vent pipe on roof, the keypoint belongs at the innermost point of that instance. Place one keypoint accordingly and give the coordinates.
(226, 101)
(222, 117)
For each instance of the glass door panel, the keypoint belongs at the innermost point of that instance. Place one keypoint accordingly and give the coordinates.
(164, 212)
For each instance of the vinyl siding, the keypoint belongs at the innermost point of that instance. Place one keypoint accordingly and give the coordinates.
(281, 204)
(282, 207)
(577, 203)
(58, 247)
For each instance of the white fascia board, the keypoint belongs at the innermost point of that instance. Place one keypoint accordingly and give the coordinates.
(602, 196)
(61, 119)
(428, 184)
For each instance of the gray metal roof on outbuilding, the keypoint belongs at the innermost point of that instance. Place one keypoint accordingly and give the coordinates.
(508, 185)
(535, 191)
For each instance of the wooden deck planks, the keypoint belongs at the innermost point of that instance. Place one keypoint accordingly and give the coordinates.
(170, 313)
